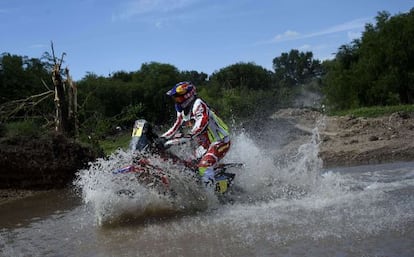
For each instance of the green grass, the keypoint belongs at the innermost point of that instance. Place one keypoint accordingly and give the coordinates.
(112, 144)
(27, 128)
(375, 111)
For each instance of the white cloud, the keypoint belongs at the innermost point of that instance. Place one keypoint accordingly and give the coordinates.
(304, 47)
(287, 35)
(159, 24)
(354, 35)
(347, 26)
(326, 57)
(351, 25)
(318, 50)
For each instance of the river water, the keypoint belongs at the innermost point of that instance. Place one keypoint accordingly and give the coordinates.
(289, 208)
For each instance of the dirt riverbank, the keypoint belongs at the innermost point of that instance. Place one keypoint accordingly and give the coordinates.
(349, 141)
(29, 165)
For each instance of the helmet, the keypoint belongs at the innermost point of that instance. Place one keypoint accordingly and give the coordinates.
(183, 93)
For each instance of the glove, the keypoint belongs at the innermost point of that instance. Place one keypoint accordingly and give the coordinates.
(160, 143)
(208, 177)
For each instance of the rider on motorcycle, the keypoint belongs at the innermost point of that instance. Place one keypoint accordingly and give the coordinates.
(209, 131)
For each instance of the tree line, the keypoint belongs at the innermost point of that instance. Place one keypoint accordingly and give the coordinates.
(377, 69)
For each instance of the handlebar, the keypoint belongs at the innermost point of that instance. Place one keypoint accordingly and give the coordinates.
(177, 141)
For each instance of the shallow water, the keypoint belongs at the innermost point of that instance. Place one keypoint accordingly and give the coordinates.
(297, 209)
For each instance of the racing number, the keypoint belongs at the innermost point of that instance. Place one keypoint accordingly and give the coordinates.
(221, 186)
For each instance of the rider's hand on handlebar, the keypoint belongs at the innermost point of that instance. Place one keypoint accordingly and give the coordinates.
(187, 136)
(160, 142)
(178, 140)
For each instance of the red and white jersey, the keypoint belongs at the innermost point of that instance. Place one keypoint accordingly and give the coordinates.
(208, 127)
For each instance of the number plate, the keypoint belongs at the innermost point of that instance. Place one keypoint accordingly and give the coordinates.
(221, 186)
(138, 127)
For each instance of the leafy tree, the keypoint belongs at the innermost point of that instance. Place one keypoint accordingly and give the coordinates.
(377, 69)
(22, 88)
(296, 68)
(237, 89)
(341, 92)
(195, 77)
(153, 80)
(243, 75)
(122, 76)
(21, 77)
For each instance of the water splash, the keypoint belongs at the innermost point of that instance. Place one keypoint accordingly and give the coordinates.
(263, 178)
(99, 188)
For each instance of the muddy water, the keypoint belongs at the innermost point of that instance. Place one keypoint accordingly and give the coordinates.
(296, 209)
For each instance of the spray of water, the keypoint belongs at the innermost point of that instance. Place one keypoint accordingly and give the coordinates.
(262, 178)
(265, 177)
(119, 197)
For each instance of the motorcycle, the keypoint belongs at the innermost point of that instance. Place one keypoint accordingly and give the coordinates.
(146, 144)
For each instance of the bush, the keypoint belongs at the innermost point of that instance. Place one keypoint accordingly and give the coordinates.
(2, 129)
(375, 111)
(26, 128)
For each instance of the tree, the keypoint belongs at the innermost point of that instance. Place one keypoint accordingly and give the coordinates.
(122, 76)
(153, 80)
(296, 68)
(237, 89)
(243, 75)
(23, 88)
(377, 69)
(195, 77)
(21, 77)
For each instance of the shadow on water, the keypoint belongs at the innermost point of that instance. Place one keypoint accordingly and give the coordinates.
(22, 212)
(147, 218)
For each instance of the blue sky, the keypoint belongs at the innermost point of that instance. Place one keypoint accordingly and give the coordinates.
(104, 36)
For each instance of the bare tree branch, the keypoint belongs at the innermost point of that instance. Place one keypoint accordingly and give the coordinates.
(9, 109)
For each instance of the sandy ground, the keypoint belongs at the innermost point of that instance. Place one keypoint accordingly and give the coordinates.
(349, 141)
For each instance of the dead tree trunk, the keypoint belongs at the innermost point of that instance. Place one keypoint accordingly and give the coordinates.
(73, 103)
(65, 100)
(62, 124)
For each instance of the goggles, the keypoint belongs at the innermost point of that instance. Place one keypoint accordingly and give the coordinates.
(179, 98)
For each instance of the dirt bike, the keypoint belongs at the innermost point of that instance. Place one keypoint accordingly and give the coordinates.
(146, 143)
